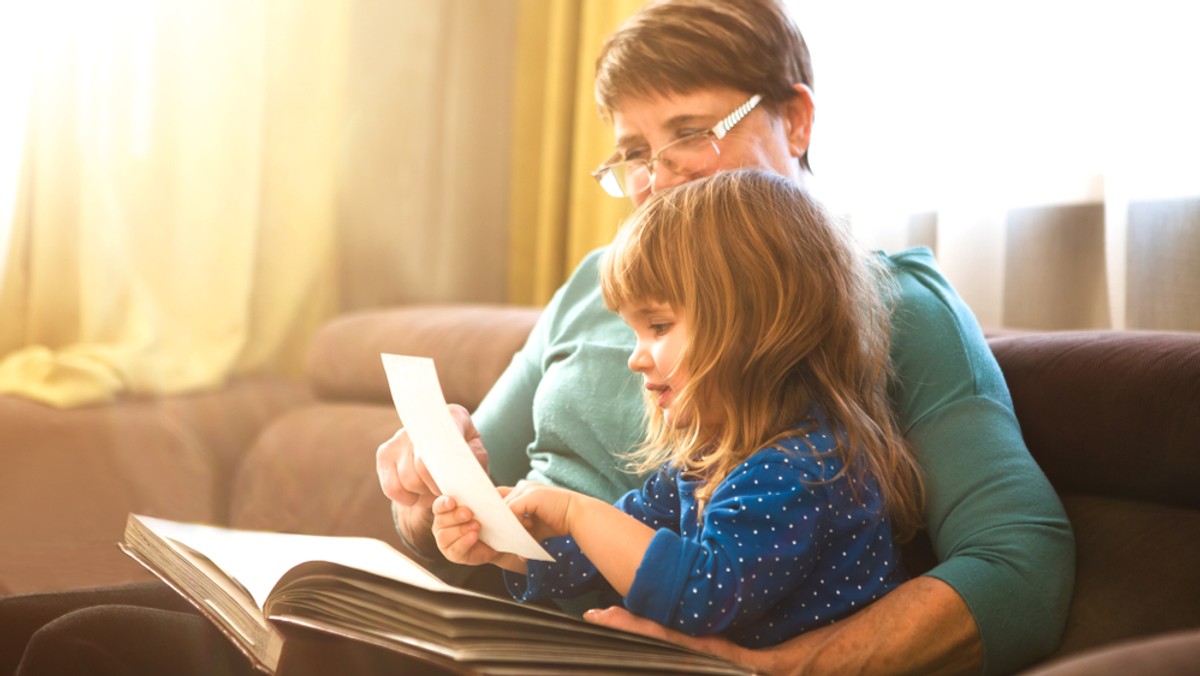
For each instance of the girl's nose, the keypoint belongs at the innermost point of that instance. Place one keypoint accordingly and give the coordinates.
(639, 360)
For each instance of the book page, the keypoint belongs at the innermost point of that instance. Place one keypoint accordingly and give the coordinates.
(257, 559)
(438, 443)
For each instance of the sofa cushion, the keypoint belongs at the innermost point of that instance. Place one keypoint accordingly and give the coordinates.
(1114, 413)
(1136, 571)
(1173, 654)
(313, 471)
(470, 344)
(71, 476)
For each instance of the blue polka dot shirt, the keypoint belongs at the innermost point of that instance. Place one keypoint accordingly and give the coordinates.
(775, 554)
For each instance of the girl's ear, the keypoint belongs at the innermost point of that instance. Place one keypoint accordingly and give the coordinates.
(798, 119)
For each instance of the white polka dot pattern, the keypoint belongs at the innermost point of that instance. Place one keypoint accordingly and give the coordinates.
(776, 553)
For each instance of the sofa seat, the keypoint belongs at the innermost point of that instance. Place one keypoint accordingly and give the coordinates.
(1158, 589)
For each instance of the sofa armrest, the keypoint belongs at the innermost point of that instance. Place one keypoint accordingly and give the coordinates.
(470, 344)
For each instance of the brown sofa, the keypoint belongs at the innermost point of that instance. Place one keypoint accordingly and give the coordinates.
(71, 476)
(1112, 417)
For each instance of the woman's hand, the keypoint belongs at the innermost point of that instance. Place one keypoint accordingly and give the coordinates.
(921, 627)
(620, 618)
(408, 484)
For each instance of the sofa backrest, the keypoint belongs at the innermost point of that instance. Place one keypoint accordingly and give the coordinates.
(470, 344)
(1112, 413)
(1113, 418)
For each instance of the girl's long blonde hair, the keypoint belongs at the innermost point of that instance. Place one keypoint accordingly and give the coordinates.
(785, 312)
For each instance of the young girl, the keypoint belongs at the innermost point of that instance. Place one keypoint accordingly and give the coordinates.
(778, 475)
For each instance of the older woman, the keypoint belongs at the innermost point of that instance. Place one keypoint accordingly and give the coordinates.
(693, 87)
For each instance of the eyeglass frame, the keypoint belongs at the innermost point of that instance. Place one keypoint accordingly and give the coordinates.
(715, 133)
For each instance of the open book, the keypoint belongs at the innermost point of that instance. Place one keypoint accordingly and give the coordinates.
(252, 585)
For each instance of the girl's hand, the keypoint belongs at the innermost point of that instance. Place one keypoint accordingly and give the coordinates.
(611, 539)
(545, 511)
(457, 534)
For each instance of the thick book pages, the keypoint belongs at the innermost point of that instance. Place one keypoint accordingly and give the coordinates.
(254, 584)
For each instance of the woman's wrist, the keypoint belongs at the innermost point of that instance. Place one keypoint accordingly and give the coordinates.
(426, 551)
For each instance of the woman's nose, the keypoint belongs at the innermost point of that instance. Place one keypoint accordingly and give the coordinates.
(665, 178)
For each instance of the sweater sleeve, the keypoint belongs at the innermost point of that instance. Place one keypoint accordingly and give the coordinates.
(505, 416)
(999, 531)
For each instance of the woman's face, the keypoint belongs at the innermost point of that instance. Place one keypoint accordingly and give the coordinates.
(761, 140)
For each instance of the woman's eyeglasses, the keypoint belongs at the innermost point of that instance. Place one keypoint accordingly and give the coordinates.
(687, 156)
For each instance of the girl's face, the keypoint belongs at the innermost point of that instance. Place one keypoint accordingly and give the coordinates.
(662, 334)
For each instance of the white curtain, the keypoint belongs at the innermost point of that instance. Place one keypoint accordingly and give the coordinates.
(189, 188)
(1022, 140)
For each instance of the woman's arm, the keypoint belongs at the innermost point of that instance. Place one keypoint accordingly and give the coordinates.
(921, 627)
(1000, 534)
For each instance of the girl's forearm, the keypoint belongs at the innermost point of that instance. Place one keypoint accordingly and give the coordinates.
(613, 541)
(512, 563)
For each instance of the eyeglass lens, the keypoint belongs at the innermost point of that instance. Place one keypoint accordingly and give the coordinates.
(686, 157)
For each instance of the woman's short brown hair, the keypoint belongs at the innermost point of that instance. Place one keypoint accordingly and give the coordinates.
(680, 46)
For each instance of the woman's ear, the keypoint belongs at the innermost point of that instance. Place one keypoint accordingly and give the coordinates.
(798, 117)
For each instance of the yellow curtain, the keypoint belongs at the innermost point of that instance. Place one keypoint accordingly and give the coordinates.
(165, 237)
(557, 213)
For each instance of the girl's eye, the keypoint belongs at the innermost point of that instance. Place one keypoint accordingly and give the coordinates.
(661, 328)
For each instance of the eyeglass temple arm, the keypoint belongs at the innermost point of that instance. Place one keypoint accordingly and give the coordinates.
(736, 116)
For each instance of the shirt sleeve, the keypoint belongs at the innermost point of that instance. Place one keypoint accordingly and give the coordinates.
(656, 504)
(754, 547)
(571, 574)
(997, 526)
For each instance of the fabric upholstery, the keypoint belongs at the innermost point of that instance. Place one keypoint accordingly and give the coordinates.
(72, 476)
(471, 346)
(1110, 413)
(1173, 654)
(1137, 570)
(313, 471)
